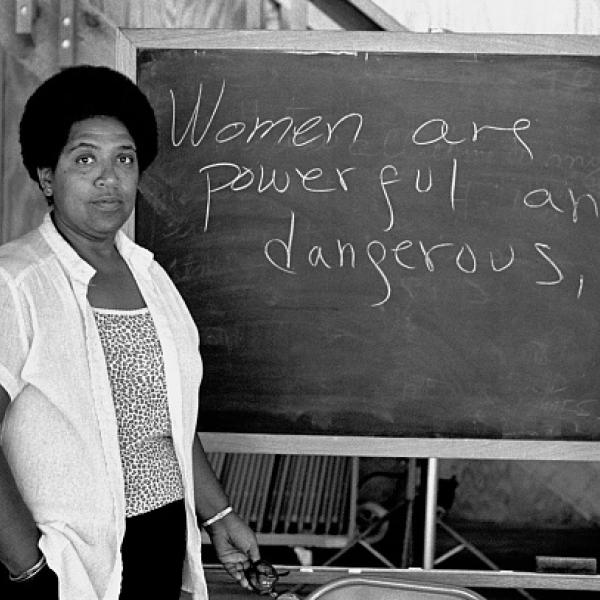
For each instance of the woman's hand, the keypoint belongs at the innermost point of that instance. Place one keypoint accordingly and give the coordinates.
(235, 545)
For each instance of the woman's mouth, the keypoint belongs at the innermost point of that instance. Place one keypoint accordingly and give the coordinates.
(107, 202)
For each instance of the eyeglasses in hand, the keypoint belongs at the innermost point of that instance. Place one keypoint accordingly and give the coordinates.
(262, 577)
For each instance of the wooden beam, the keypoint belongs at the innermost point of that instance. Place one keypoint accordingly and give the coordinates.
(253, 14)
(463, 578)
(38, 52)
(481, 449)
(317, 20)
(294, 14)
(23, 17)
(23, 205)
(66, 33)
(365, 41)
(4, 148)
(359, 15)
(96, 35)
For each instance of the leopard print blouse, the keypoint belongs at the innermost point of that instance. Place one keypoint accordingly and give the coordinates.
(136, 372)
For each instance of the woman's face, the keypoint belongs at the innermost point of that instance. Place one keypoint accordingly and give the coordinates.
(95, 180)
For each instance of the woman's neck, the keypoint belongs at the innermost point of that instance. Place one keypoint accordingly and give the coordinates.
(100, 253)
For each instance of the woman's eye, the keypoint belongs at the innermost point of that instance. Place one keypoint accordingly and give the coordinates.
(86, 160)
(127, 159)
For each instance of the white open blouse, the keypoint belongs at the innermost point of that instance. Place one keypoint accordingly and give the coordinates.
(60, 432)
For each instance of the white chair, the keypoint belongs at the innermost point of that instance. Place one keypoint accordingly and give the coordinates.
(372, 588)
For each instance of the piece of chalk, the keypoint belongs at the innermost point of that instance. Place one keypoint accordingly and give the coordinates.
(565, 564)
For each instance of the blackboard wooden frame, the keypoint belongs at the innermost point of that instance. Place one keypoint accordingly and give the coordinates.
(130, 41)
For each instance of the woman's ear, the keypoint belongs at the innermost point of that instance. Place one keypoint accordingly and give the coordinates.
(46, 179)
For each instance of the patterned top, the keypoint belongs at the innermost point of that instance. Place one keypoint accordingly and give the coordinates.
(136, 371)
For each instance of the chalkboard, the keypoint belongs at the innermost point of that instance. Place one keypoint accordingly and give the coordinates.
(383, 243)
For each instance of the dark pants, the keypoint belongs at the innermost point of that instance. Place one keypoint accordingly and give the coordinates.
(153, 551)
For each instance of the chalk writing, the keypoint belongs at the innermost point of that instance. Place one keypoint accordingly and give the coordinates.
(422, 137)
(283, 128)
(398, 188)
(409, 254)
(262, 179)
(542, 197)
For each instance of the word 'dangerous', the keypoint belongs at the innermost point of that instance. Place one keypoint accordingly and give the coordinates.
(408, 255)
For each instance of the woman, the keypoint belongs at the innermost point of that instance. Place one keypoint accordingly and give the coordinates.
(102, 478)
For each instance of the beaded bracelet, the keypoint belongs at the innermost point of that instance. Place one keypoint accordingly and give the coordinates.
(217, 517)
(29, 573)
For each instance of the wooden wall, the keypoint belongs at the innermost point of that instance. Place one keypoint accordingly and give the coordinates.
(498, 16)
(28, 58)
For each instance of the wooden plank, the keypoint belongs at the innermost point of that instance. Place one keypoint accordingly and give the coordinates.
(262, 505)
(255, 481)
(293, 490)
(262, 481)
(278, 495)
(249, 486)
(253, 14)
(303, 539)
(331, 492)
(4, 150)
(38, 52)
(340, 510)
(362, 15)
(66, 33)
(233, 485)
(320, 491)
(247, 479)
(574, 17)
(24, 17)
(298, 498)
(254, 487)
(463, 578)
(23, 205)
(125, 62)
(229, 473)
(125, 55)
(306, 510)
(334, 493)
(242, 482)
(303, 493)
(365, 41)
(353, 501)
(289, 493)
(227, 14)
(96, 36)
(337, 495)
(317, 20)
(394, 447)
(378, 15)
(329, 469)
(99, 32)
(294, 15)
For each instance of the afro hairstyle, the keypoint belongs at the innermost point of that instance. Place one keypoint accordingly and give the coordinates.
(78, 93)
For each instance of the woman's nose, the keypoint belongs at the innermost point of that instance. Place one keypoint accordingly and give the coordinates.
(107, 174)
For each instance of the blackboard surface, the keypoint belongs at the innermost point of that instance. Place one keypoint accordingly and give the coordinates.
(396, 244)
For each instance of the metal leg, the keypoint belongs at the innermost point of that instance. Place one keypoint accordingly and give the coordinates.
(430, 513)
(464, 544)
(411, 493)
